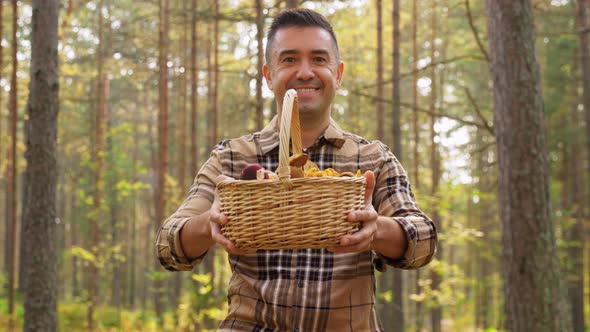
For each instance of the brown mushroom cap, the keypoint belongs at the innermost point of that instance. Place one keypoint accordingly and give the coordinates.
(298, 160)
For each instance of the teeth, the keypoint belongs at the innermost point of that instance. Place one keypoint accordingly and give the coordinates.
(306, 90)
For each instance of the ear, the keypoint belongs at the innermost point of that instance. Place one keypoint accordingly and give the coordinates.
(339, 74)
(266, 73)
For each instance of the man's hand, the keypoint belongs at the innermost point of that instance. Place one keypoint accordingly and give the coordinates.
(363, 239)
(216, 219)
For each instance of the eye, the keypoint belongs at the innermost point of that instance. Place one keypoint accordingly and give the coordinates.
(288, 59)
(320, 59)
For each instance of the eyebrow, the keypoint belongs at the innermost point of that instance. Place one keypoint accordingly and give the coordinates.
(294, 51)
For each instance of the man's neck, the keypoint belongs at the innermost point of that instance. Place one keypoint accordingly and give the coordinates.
(312, 129)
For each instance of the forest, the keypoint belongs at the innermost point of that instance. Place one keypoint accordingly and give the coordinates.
(109, 108)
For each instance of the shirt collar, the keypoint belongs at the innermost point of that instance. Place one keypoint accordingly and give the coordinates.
(269, 136)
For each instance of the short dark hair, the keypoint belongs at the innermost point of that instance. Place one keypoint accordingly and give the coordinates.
(298, 17)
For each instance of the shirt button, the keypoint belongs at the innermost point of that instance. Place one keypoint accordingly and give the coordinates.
(300, 286)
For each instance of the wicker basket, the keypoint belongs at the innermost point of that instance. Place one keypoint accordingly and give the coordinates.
(290, 213)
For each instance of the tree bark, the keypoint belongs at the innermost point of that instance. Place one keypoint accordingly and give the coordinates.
(176, 291)
(214, 103)
(40, 290)
(75, 261)
(162, 143)
(418, 316)
(436, 311)
(574, 233)
(581, 24)
(385, 306)
(379, 109)
(182, 104)
(194, 165)
(117, 234)
(99, 154)
(259, 64)
(147, 228)
(132, 249)
(531, 269)
(1, 112)
(397, 281)
(292, 3)
(212, 117)
(11, 190)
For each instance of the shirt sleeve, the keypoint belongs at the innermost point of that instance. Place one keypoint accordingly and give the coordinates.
(393, 198)
(198, 200)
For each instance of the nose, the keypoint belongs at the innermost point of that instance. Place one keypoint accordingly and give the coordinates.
(305, 71)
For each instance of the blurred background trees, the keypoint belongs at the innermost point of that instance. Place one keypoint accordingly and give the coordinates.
(148, 87)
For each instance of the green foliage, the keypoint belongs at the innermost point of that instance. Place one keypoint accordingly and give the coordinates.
(451, 291)
(19, 312)
(72, 316)
(109, 317)
(125, 188)
(107, 253)
(83, 254)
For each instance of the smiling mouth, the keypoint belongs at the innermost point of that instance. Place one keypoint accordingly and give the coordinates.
(306, 89)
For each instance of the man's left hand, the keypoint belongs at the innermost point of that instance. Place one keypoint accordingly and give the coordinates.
(363, 239)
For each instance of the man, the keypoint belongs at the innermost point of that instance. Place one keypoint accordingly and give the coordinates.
(311, 289)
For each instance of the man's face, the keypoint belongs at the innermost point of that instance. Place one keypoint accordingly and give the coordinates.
(304, 59)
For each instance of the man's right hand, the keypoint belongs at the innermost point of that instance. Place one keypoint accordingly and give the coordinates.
(217, 218)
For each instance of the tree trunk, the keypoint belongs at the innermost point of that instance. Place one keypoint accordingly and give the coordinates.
(212, 120)
(75, 261)
(418, 316)
(397, 281)
(582, 24)
(162, 143)
(292, 3)
(182, 105)
(40, 289)
(11, 191)
(380, 107)
(116, 235)
(175, 292)
(147, 228)
(531, 269)
(436, 311)
(2, 115)
(385, 307)
(211, 74)
(574, 233)
(194, 165)
(259, 64)
(215, 123)
(132, 249)
(480, 257)
(98, 153)
(395, 111)
(62, 236)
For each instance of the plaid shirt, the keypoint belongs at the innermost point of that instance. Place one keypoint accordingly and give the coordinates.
(308, 289)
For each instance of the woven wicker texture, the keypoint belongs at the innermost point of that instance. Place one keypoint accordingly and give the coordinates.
(290, 213)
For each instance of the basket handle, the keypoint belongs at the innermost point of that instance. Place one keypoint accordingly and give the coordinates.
(289, 128)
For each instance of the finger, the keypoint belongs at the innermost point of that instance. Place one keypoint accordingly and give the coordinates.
(217, 217)
(229, 246)
(218, 237)
(357, 247)
(362, 215)
(222, 177)
(366, 233)
(370, 176)
(232, 249)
